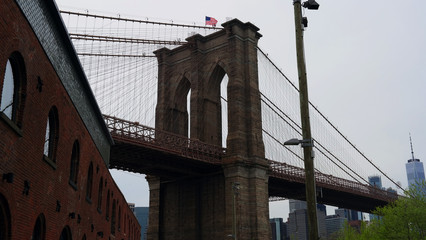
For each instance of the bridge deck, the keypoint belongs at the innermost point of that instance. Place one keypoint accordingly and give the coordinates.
(149, 151)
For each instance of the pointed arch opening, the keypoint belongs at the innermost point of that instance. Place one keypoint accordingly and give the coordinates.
(100, 195)
(13, 88)
(89, 183)
(74, 164)
(181, 108)
(216, 108)
(39, 231)
(107, 206)
(119, 219)
(5, 221)
(224, 108)
(113, 215)
(51, 136)
(66, 234)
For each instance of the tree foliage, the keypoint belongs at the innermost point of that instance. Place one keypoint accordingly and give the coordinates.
(403, 219)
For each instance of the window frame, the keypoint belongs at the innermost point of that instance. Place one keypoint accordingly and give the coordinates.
(65, 234)
(19, 92)
(89, 184)
(5, 219)
(113, 216)
(53, 124)
(107, 205)
(40, 225)
(74, 164)
(100, 195)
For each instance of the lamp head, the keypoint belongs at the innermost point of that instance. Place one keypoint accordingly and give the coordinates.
(311, 4)
(292, 141)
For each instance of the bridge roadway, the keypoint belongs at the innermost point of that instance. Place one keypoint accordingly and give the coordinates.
(149, 151)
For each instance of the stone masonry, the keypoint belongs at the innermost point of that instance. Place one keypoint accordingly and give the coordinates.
(202, 207)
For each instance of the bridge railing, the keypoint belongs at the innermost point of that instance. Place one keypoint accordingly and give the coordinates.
(292, 173)
(162, 140)
(145, 136)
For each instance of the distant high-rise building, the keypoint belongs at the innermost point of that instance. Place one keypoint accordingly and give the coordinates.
(279, 229)
(414, 168)
(375, 181)
(296, 205)
(334, 223)
(298, 220)
(132, 206)
(321, 214)
(322, 208)
(350, 215)
(141, 214)
(298, 224)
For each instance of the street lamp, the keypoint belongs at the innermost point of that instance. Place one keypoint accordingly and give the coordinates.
(304, 113)
(304, 142)
(311, 5)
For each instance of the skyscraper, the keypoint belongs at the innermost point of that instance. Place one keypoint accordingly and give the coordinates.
(375, 181)
(279, 229)
(298, 220)
(141, 214)
(414, 168)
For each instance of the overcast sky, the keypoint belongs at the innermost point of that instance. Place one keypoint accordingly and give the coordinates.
(366, 64)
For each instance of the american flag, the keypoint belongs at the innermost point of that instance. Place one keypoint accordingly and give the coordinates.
(211, 21)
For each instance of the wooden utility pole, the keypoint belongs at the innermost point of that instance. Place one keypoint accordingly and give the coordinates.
(306, 126)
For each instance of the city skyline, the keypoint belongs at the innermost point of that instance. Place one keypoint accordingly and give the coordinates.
(377, 57)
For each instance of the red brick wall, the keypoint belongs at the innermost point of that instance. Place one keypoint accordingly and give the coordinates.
(23, 155)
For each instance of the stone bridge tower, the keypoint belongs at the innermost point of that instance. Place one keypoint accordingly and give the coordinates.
(203, 207)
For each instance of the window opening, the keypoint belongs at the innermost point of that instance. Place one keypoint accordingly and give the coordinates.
(75, 155)
(39, 231)
(5, 223)
(7, 96)
(65, 234)
(100, 195)
(107, 207)
(89, 182)
(51, 136)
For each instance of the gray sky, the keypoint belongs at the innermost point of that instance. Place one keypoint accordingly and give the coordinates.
(366, 64)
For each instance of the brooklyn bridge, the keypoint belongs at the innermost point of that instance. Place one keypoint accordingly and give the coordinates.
(200, 109)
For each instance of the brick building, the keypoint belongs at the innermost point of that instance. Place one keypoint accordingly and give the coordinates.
(54, 145)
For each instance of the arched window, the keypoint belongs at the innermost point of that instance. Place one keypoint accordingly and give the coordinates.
(8, 91)
(12, 89)
(125, 222)
(39, 231)
(89, 183)
(179, 113)
(66, 234)
(214, 99)
(5, 224)
(100, 193)
(75, 158)
(84, 237)
(119, 218)
(113, 217)
(107, 207)
(52, 135)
